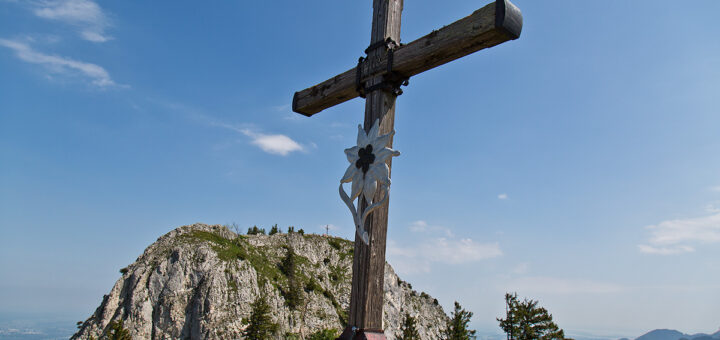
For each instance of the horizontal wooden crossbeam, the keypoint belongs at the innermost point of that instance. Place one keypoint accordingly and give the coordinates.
(489, 26)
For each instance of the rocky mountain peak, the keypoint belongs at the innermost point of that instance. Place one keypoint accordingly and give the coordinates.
(198, 281)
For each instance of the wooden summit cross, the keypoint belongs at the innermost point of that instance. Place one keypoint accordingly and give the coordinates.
(378, 78)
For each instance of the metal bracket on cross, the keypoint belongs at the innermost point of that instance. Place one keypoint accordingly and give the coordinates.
(368, 172)
(392, 80)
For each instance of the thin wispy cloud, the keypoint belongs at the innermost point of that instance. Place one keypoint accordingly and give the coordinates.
(421, 226)
(282, 108)
(552, 285)
(669, 250)
(715, 188)
(273, 144)
(54, 64)
(85, 15)
(443, 250)
(276, 144)
(503, 196)
(682, 235)
(713, 207)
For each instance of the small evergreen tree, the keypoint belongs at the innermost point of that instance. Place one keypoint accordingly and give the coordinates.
(524, 320)
(291, 229)
(260, 325)
(457, 326)
(256, 231)
(408, 331)
(274, 230)
(293, 293)
(324, 334)
(301, 231)
(116, 331)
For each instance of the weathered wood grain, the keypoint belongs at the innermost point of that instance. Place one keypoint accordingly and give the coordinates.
(487, 27)
(366, 297)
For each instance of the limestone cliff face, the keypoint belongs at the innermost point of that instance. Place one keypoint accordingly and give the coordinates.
(198, 281)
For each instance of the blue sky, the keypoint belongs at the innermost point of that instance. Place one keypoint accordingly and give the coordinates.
(577, 165)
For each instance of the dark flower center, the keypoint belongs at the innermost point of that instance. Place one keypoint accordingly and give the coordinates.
(366, 158)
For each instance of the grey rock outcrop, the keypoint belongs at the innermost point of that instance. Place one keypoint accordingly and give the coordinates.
(198, 281)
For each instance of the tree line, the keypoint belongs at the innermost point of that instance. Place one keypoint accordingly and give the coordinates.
(524, 320)
(254, 230)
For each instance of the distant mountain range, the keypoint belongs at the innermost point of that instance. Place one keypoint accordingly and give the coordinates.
(671, 334)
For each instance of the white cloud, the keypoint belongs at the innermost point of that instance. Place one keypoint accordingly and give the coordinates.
(420, 257)
(503, 196)
(713, 207)
(418, 226)
(60, 65)
(276, 144)
(93, 36)
(273, 144)
(421, 226)
(550, 285)
(281, 108)
(704, 229)
(665, 250)
(84, 14)
(462, 251)
(682, 235)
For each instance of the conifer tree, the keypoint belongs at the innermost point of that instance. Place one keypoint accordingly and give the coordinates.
(274, 230)
(524, 320)
(260, 325)
(324, 334)
(457, 326)
(292, 294)
(407, 329)
(118, 332)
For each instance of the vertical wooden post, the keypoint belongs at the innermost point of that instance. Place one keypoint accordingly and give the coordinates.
(366, 299)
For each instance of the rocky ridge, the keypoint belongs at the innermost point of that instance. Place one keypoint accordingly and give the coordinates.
(198, 281)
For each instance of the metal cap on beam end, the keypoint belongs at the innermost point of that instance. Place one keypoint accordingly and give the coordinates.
(509, 18)
(295, 108)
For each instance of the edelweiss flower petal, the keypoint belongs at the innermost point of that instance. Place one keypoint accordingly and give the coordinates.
(374, 131)
(369, 188)
(352, 154)
(382, 141)
(349, 173)
(362, 138)
(382, 155)
(381, 172)
(357, 185)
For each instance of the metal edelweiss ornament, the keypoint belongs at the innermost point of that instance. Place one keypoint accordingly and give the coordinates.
(367, 170)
